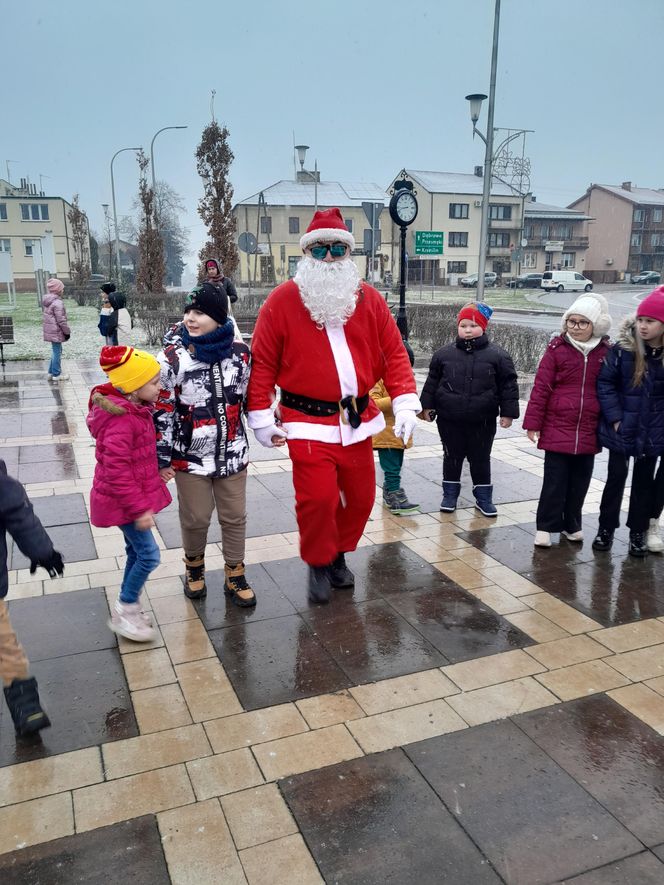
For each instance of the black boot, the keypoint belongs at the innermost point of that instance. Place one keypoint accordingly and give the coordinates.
(603, 539)
(23, 701)
(638, 545)
(339, 574)
(484, 500)
(319, 583)
(451, 491)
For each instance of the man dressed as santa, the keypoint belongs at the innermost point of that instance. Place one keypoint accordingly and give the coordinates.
(325, 338)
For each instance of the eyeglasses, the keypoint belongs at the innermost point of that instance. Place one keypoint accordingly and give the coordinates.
(319, 250)
(578, 324)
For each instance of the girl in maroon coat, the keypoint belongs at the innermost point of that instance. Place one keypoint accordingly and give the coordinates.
(127, 490)
(563, 415)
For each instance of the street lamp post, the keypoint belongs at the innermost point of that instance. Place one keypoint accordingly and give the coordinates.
(104, 206)
(118, 263)
(301, 154)
(154, 183)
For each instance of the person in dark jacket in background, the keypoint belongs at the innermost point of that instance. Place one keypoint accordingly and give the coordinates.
(471, 381)
(17, 517)
(214, 275)
(106, 289)
(563, 415)
(631, 397)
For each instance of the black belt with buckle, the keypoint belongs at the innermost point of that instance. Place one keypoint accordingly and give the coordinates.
(354, 405)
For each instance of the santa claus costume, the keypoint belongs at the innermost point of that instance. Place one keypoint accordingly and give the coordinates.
(324, 339)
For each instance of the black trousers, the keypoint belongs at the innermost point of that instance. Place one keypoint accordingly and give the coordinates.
(564, 488)
(471, 441)
(646, 499)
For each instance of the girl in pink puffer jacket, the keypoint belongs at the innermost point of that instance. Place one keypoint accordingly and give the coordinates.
(55, 326)
(127, 490)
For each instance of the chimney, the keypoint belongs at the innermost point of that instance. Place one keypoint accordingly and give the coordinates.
(626, 185)
(479, 171)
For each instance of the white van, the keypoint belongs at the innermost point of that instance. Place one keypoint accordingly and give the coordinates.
(565, 281)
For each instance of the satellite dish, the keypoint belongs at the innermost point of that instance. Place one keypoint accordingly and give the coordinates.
(247, 243)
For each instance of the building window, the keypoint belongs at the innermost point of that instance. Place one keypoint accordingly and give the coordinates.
(529, 230)
(267, 268)
(639, 215)
(457, 266)
(500, 213)
(530, 259)
(655, 240)
(293, 261)
(458, 239)
(544, 231)
(5, 246)
(499, 240)
(569, 259)
(294, 225)
(27, 245)
(636, 241)
(3, 212)
(349, 224)
(266, 224)
(459, 210)
(564, 231)
(34, 212)
(657, 215)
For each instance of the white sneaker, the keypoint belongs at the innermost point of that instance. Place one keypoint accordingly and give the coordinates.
(128, 620)
(573, 536)
(542, 539)
(654, 540)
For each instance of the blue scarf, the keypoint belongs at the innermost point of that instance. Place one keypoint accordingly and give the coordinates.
(214, 346)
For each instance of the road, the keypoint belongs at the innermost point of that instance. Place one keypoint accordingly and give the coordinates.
(623, 299)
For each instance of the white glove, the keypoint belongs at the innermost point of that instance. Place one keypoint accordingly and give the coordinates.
(264, 435)
(405, 421)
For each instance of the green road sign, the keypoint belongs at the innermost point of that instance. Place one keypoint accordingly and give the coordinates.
(428, 242)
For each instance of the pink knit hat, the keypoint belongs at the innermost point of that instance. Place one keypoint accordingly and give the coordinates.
(55, 286)
(653, 305)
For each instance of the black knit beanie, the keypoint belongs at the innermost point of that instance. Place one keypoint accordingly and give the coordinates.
(107, 288)
(211, 300)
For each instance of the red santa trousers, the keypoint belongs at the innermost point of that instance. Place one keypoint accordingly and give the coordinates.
(335, 488)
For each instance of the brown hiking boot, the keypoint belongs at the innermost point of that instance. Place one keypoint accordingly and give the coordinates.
(236, 586)
(194, 587)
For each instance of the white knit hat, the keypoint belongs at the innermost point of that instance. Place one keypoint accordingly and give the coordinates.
(594, 307)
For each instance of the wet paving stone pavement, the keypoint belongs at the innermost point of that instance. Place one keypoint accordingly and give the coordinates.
(474, 711)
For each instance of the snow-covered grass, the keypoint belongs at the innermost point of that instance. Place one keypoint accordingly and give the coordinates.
(85, 339)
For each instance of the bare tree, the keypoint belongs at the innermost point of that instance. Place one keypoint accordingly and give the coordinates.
(79, 268)
(213, 162)
(150, 276)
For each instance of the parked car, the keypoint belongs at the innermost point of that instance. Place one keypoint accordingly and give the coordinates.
(470, 282)
(526, 281)
(565, 281)
(646, 276)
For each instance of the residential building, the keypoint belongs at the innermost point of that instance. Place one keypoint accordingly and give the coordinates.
(553, 238)
(627, 231)
(278, 216)
(451, 202)
(26, 219)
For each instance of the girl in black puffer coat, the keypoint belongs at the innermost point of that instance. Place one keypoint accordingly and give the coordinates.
(630, 389)
(471, 381)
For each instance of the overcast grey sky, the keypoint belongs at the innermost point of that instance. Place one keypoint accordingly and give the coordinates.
(371, 86)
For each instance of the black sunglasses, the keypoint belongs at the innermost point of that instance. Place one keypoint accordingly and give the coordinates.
(320, 250)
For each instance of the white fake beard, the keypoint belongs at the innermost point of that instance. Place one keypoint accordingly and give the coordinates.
(328, 289)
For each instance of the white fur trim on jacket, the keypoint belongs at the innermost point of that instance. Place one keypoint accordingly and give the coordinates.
(260, 418)
(409, 401)
(340, 433)
(327, 235)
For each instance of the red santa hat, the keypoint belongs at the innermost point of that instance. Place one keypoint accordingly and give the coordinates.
(327, 225)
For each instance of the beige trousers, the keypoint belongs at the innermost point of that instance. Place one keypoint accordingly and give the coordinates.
(197, 498)
(13, 662)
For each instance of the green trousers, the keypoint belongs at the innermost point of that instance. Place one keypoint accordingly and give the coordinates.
(391, 461)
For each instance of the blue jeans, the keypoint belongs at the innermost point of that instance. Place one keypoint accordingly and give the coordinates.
(54, 367)
(142, 558)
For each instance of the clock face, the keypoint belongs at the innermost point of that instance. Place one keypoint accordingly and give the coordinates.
(406, 207)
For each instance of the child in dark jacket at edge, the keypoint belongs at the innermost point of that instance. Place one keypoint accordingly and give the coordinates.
(471, 381)
(563, 415)
(18, 518)
(631, 397)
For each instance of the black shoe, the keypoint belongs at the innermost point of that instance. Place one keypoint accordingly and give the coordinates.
(603, 539)
(320, 588)
(23, 701)
(638, 545)
(339, 574)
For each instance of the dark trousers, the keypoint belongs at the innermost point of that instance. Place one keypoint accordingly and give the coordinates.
(471, 441)
(391, 461)
(646, 498)
(564, 488)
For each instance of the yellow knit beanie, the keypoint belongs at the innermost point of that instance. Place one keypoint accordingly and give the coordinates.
(128, 369)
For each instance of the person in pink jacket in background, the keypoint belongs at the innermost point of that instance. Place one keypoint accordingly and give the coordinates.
(563, 416)
(127, 490)
(56, 329)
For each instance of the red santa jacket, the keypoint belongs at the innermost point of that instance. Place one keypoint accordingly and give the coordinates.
(291, 352)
